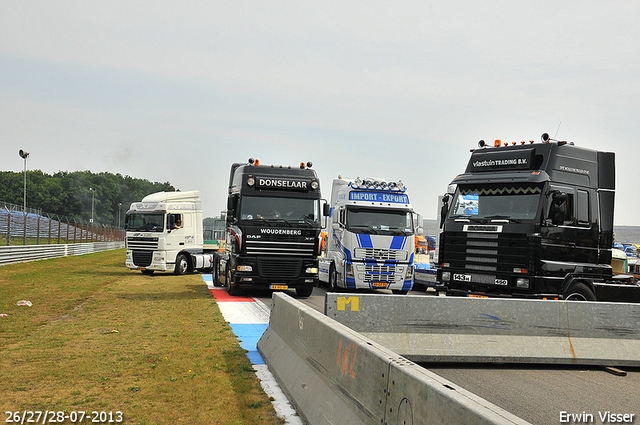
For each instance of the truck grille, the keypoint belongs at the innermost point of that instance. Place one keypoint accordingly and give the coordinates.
(305, 249)
(485, 253)
(142, 258)
(380, 274)
(276, 268)
(142, 243)
(380, 254)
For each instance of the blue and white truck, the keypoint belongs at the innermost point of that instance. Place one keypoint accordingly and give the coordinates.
(370, 243)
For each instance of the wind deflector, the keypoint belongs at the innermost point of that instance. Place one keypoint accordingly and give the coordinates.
(607, 170)
(501, 160)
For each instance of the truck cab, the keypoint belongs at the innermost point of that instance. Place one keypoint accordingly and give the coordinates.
(164, 232)
(273, 228)
(531, 220)
(371, 242)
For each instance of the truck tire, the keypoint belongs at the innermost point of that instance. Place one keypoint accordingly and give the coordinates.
(216, 273)
(333, 278)
(304, 291)
(578, 291)
(233, 290)
(182, 264)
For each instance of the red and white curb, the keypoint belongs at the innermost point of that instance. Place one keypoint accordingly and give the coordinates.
(249, 319)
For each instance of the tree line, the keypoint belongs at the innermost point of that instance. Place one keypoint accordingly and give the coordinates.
(68, 194)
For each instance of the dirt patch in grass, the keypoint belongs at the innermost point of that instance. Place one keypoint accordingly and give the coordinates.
(100, 337)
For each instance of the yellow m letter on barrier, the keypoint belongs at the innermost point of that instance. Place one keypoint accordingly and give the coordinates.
(354, 302)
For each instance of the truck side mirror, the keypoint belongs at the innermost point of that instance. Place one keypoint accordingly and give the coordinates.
(232, 204)
(558, 198)
(557, 209)
(445, 209)
(326, 210)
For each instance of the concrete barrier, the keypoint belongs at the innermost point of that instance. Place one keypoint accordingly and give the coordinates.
(452, 329)
(333, 375)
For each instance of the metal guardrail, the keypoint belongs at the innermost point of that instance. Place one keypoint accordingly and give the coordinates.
(24, 253)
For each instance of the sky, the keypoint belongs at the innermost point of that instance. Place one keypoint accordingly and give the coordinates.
(176, 91)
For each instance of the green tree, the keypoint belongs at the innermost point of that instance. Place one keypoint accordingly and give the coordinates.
(67, 194)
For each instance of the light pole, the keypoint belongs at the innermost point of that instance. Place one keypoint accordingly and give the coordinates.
(24, 154)
(119, 209)
(93, 196)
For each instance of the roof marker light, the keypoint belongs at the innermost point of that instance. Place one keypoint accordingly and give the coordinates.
(257, 162)
(497, 143)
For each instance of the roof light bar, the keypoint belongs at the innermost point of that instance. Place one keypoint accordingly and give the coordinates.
(377, 184)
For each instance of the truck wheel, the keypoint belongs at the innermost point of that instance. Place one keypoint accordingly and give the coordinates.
(182, 265)
(333, 278)
(233, 290)
(216, 274)
(304, 291)
(579, 292)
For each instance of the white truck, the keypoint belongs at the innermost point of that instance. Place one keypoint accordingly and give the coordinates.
(370, 243)
(164, 233)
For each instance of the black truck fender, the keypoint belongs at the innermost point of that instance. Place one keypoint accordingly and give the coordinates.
(578, 288)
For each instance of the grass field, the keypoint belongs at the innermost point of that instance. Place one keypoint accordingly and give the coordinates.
(102, 338)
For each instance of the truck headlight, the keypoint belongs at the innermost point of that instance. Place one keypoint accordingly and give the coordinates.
(244, 268)
(311, 270)
(348, 269)
(522, 282)
(409, 273)
(446, 276)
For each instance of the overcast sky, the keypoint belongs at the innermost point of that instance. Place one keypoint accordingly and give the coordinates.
(178, 90)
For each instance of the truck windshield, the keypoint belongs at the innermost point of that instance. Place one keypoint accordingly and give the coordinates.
(499, 201)
(296, 210)
(144, 222)
(379, 222)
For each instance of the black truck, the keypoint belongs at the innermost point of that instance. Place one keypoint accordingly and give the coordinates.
(273, 224)
(532, 220)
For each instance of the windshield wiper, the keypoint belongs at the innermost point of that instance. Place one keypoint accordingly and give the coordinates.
(400, 230)
(363, 226)
(310, 222)
(503, 217)
(282, 220)
(261, 220)
(470, 218)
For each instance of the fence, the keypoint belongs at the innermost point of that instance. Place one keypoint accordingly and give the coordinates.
(35, 228)
(21, 254)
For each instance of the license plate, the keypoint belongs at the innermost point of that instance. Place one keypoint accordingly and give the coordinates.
(378, 284)
(279, 287)
(462, 277)
(142, 268)
(477, 296)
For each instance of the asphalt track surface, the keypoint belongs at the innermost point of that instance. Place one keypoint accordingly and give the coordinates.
(539, 394)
